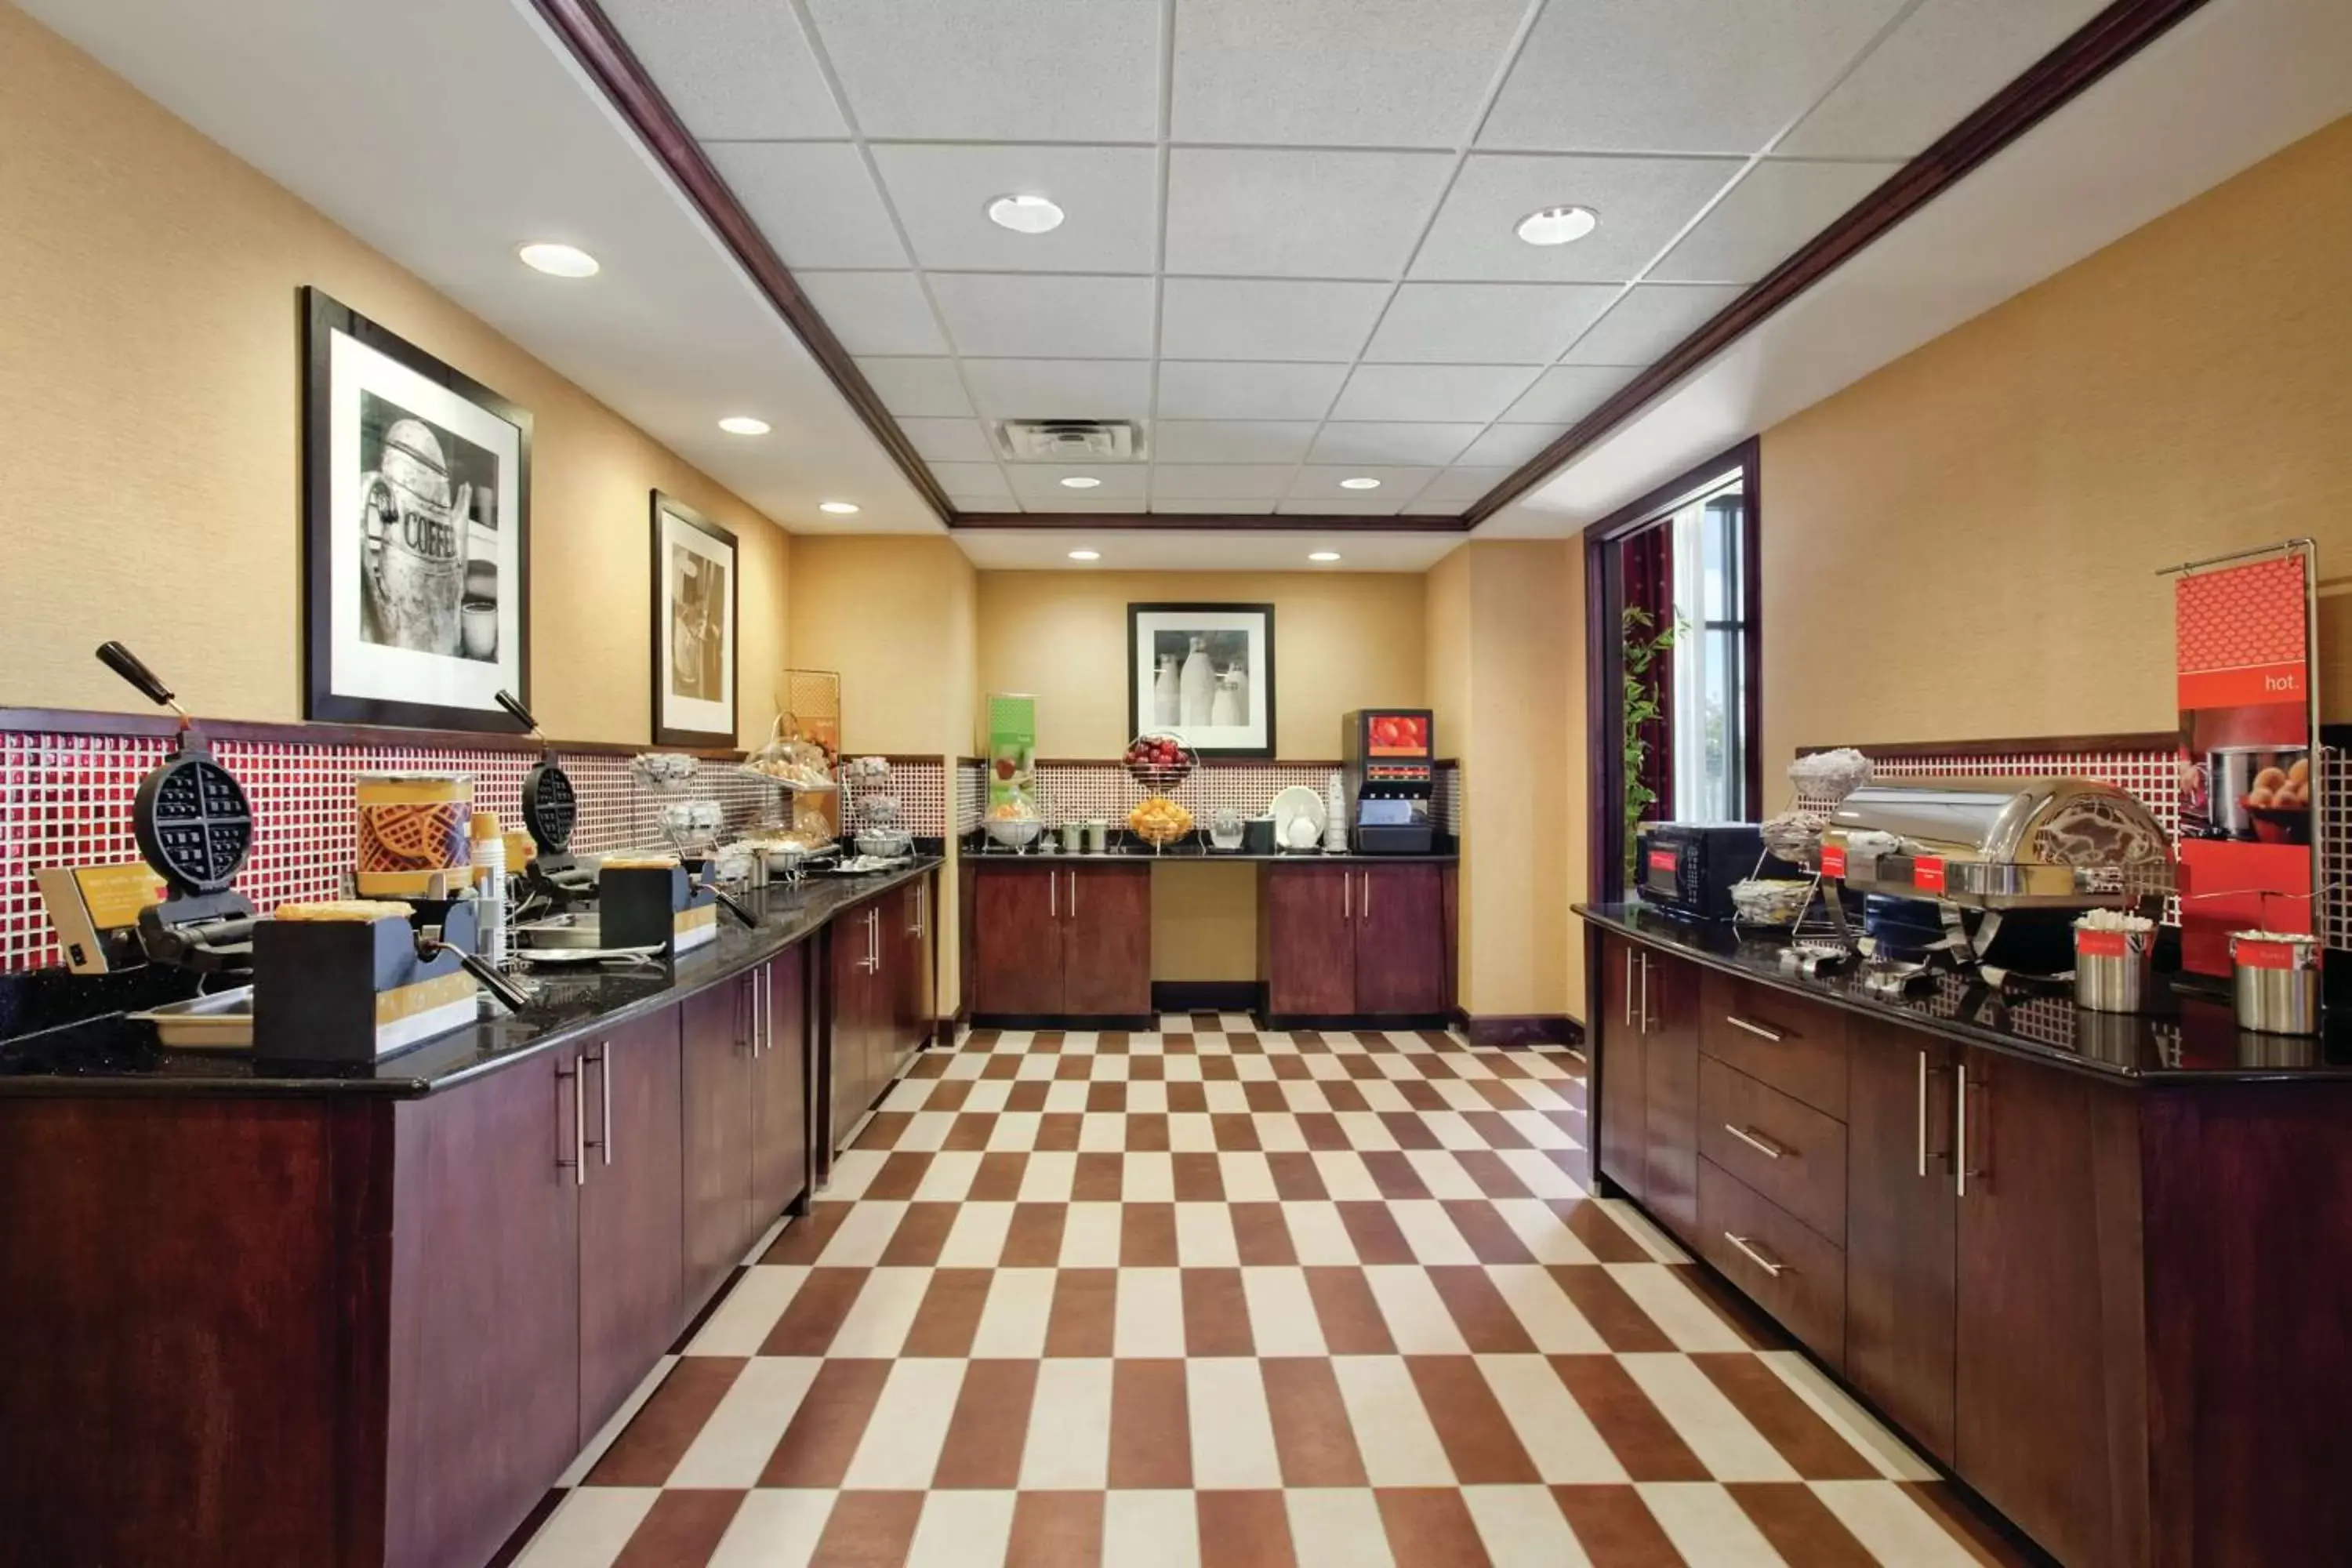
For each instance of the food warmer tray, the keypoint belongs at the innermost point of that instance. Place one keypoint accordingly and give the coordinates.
(2000, 844)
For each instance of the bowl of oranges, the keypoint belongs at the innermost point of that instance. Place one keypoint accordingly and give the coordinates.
(1159, 821)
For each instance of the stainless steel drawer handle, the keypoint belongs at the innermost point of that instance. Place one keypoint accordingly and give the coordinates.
(1759, 1030)
(1764, 1146)
(1749, 1251)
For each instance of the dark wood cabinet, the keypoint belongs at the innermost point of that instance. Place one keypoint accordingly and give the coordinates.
(1623, 1070)
(715, 1060)
(1400, 940)
(1107, 942)
(912, 973)
(632, 1262)
(1668, 1008)
(1059, 940)
(779, 1071)
(1308, 936)
(1901, 1230)
(877, 1002)
(1016, 954)
(1351, 940)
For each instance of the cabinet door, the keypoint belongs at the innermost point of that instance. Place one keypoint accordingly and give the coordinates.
(632, 1280)
(484, 1375)
(1900, 1229)
(715, 1066)
(848, 1068)
(1669, 1004)
(1400, 940)
(1310, 941)
(914, 972)
(1622, 1068)
(1017, 938)
(780, 1133)
(1106, 940)
(2029, 1396)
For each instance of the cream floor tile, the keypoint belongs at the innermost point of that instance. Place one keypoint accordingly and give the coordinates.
(1225, 1096)
(1443, 1174)
(1204, 1236)
(1364, 1129)
(991, 1094)
(1431, 1232)
(741, 1321)
(1332, 1527)
(901, 1445)
(926, 1130)
(1090, 1236)
(885, 1309)
(1278, 1131)
(1895, 1529)
(1150, 1529)
(1544, 1309)
(1392, 1431)
(1069, 1427)
(1382, 1094)
(1283, 1322)
(1317, 1236)
(735, 1443)
(976, 1240)
(852, 1171)
(864, 1232)
(1066, 1095)
(774, 1527)
(963, 1529)
(1675, 1307)
(1247, 1177)
(1150, 1318)
(1450, 1130)
(1651, 1239)
(1013, 1323)
(1540, 1176)
(1147, 1178)
(1892, 1457)
(1345, 1178)
(1417, 1316)
(1560, 1439)
(1726, 1442)
(1233, 1432)
(1014, 1130)
(1183, 1068)
(948, 1177)
(1522, 1527)
(577, 1471)
(1046, 1177)
(1149, 1095)
(1709, 1528)
(590, 1527)
(1191, 1133)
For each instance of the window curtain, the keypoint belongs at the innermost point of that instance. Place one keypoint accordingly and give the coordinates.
(1649, 577)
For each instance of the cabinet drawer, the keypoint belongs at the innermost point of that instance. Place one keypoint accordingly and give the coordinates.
(1769, 1254)
(1795, 1045)
(1783, 1148)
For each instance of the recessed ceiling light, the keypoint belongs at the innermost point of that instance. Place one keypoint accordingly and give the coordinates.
(1557, 225)
(744, 425)
(1080, 482)
(1024, 214)
(838, 508)
(560, 260)
(1324, 556)
(1362, 482)
(1085, 555)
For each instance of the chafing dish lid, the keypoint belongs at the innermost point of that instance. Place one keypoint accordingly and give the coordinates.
(2029, 821)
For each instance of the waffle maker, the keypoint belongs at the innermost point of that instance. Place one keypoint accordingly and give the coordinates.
(550, 809)
(194, 827)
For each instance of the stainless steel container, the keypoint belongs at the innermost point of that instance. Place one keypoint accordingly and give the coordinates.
(1098, 837)
(2274, 980)
(2112, 968)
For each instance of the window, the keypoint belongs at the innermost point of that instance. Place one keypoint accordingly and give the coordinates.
(1710, 736)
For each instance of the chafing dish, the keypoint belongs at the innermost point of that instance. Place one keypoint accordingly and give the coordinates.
(2000, 844)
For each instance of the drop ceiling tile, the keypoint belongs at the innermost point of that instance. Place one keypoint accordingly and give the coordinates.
(1209, 389)
(1106, 194)
(1566, 394)
(1016, 315)
(814, 200)
(1650, 319)
(1230, 440)
(948, 440)
(875, 312)
(1396, 73)
(1510, 445)
(1414, 446)
(975, 482)
(1769, 214)
(1217, 481)
(1061, 388)
(1043, 71)
(1261, 212)
(1036, 483)
(1397, 485)
(1487, 324)
(1457, 487)
(1073, 501)
(1947, 57)
(918, 387)
(1432, 392)
(1676, 76)
(1227, 318)
(1258, 506)
(731, 68)
(1643, 202)
(1352, 506)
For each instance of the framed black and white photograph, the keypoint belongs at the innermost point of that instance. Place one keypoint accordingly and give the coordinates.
(1204, 673)
(694, 627)
(416, 509)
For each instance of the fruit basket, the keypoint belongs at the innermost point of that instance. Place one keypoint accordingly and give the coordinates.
(1160, 822)
(1158, 760)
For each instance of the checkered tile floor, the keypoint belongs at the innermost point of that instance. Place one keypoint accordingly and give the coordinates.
(1214, 1297)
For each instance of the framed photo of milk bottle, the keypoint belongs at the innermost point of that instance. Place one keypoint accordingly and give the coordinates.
(1204, 673)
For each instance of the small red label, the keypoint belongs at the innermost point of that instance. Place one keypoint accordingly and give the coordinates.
(2099, 943)
(1832, 859)
(1665, 861)
(1927, 874)
(2266, 954)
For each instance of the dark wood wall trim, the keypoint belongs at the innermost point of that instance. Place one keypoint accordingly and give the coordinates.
(589, 35)
(1518, 1028)
(2133, 741)
(1198, 522)
(2102, 44)
(86, 722)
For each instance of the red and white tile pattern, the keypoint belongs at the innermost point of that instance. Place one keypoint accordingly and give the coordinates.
(1208, 1296)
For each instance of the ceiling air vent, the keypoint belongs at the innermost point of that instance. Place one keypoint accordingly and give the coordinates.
(1070, 440)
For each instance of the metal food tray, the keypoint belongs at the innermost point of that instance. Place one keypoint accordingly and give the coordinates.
(219, 1021)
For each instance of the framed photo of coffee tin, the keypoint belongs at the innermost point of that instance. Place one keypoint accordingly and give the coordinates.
(694, 627)
(416, 529)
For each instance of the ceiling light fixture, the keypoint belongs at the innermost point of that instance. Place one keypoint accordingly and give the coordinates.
(1085, 555)
(1080, 482)
(559, 261)
(1024, 214)
(744, 425)
(1362, 482)
(1323, 555)
(1557, 225)
(838, 508)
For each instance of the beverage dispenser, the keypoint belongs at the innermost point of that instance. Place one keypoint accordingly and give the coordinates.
(1389, 757)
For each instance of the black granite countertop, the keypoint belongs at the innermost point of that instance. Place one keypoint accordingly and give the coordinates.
(115, 1055)
(2184, 1037)
(1193, 855)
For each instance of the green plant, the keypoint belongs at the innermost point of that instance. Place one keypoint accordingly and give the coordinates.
(1642, 650)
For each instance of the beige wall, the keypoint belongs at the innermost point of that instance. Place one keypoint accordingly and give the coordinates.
(1964, 544)
(892, 614)
(1342, 640)
(150, 395)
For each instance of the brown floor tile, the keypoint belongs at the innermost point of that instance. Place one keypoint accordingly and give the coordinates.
(1800, 1526)
(1147, 1236)
(1430, 1526)
(999, 1178)
(1078, 1069)
(1246, 1045)
(1393, 1175)
(1490, 1237)
(1409, 1131)
(1495, 1178)
(1811, 1444)
(1433, 1065)
(1373, 1230)
(1340, 1094)
(950, 1316)
(1216, 1313)
(948, 1094)
(1296, 1178)
(1244, 1530)
(1056, 1529)
(816, 1449)
(1312, 1435)
(900, 1174)
(1603, 1237)
(882, 1129)
(1494, 1132)
(1152, 1068)
(1478, 1437)
(1290, 1069)
(804, 1239)
(971, 1131)
(1265, 1096)
(1499, 1094)
(990, 1425)
(1001, 1066)
(1057, 1130)
(1219, 1070)
(868, 1529)
(1977, 1535)
(681, 1531)
(815, 1313)
(1147, 1132)
(1085, 1312)
(1616, 1528)
(1352, 1324)
(1489, 1325)
(1047, 1042)
(1737, 1312)
(1644, 1440)
(1322, 1132)
(1310, 1042)
(657, 1437)
(1199, 1179)
(1360, 1068)
(931, 1064)
(1376, 1042)
(1111, 1043)
(1502, 1065)
(1261, 1237)
(1189, 1098)
(1151, 1425)
(1098, 1178)
(1235, 1130)
(1616, 1317)
(1029, 1094)
(922, 1231)
(1034, 1239)
(1421, 1095)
